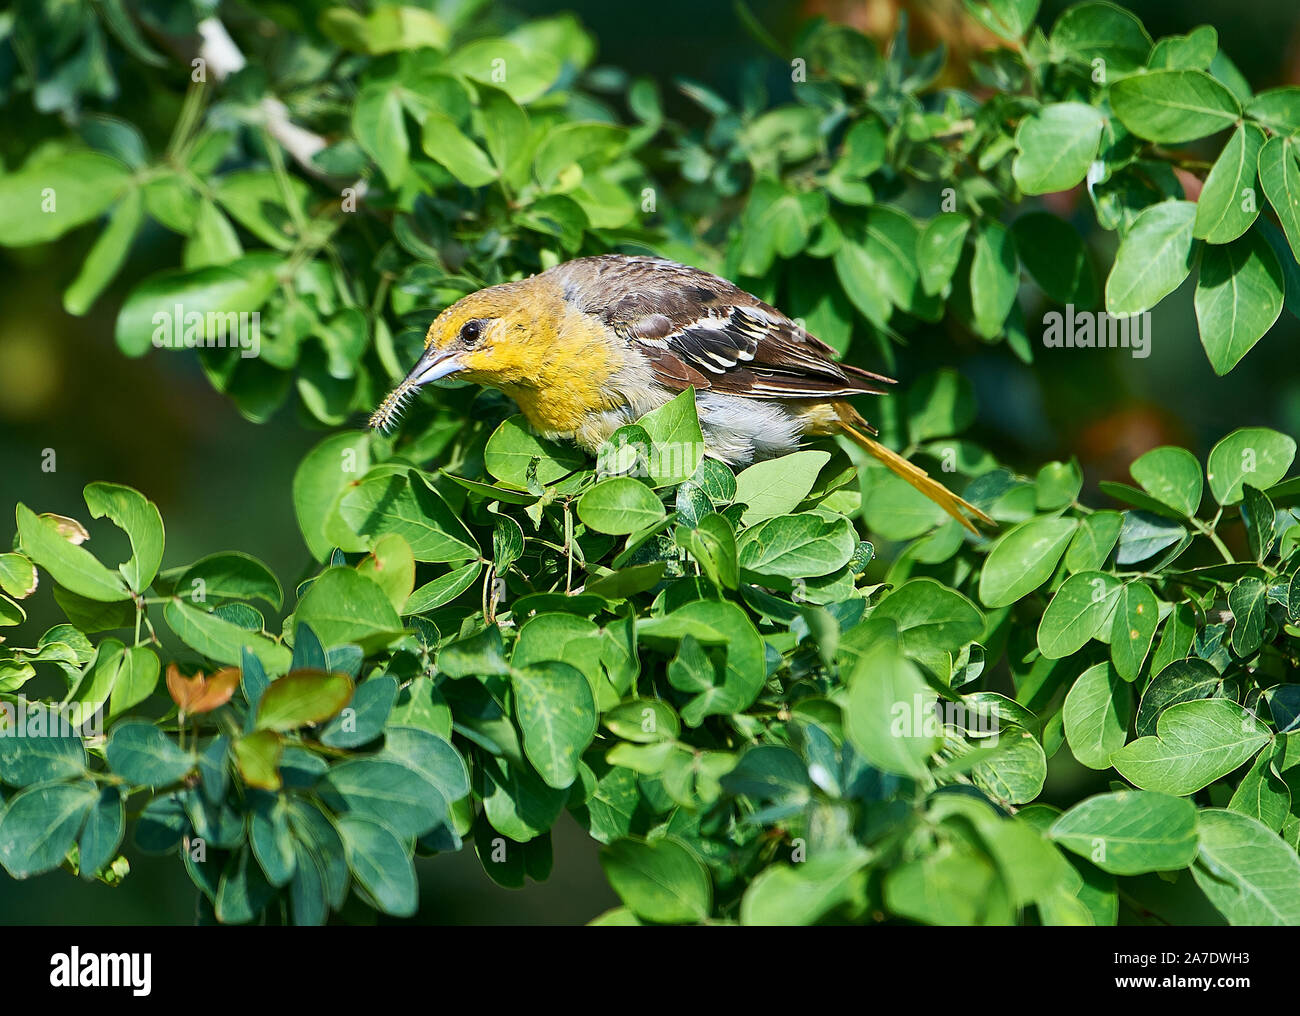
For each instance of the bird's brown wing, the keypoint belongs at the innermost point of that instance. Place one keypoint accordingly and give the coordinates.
(698, 329)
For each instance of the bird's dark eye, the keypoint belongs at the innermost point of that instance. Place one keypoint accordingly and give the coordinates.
(471, 331)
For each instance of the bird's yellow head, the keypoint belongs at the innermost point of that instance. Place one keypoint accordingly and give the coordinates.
(522, 337)
(487, 337)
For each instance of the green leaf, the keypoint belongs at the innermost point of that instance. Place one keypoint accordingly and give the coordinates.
(860, 279)
(106, 256)
(557, 715)
(939, 404)
(71, 566)
(52, 195)
(1144, 535)
(1279, 175)
(307, 890)
(1097, 713)
(1015, 770)
(620, 505)
(363, 719)
(302, 697)
(661, 880)
(1134, 629)
(1172, 476)
(796, 547)
(271, 840)
(994, 278)
(406, 505)
(142, 754)
(1057, 485)
(102, 834)
(931, 617)
(716, 480)
(1277, 109)
(777, 486)
(778, 221)
(713, 545)
(1179, 681)
(1053, 252)
(894, 509)
(1010, 19)
(1196, 743)
(1153, 259)
(327, 471)
(507, 134)
(1263, 794)
(589, 145)
(212, 301)
(1023, 559)
(1228, 203)
(678, 443)
(17, 575)
(432, 756)
(791, 895)
(722, 625)
(889, 240)
(1079, 610)
(387, 29)
(1175, 641)
(890, 715)
(938, 250)
(1259, 517)
(11, 613)
(1248, 601)
(1095, 539)
(458, 154)
(380, 129)
(478, 655)
(243, 891)
(951, 886)
(257, 756)
(138, 517)
(97, 681)
(40, 825)
(1238, 298)
(381, 865)
(229, 576)
(344, 606)
(1251, 454)
(1246, 871)
(1130, 832)
(512, 448)
(516, 801)
(1091, 32)
(443, 589)
(1194, 51)
(136, 679)
(1057, 145)
(385, 791)
(221, 640)
(58, 755)
(1173, 107)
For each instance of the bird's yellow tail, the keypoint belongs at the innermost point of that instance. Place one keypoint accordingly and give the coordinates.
(915, 475)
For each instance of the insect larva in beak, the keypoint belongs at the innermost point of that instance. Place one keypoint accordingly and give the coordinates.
(391, 408)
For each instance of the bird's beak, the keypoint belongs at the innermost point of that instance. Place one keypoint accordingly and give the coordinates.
(432, 366)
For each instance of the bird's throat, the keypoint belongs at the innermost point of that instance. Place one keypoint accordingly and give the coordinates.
(566, 382)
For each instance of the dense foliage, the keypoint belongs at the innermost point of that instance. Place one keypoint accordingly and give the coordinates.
(711, 671)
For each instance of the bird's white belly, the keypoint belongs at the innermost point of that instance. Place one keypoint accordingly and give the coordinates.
(739, 430)
(736, 430)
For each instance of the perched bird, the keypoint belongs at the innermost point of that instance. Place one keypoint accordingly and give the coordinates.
(595, 343)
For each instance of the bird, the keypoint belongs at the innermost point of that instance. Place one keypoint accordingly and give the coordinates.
(593, 344)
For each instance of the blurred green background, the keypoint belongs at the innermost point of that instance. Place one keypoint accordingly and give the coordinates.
(156, 424)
